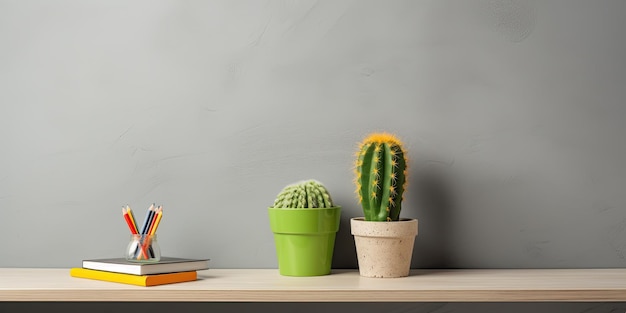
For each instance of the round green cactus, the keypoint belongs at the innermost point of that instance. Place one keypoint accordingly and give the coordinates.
(381, 169)
(304, 194)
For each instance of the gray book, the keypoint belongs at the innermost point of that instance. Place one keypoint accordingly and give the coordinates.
(165, 265)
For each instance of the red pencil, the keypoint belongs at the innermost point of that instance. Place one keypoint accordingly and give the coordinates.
(128, 221)
(131, 226)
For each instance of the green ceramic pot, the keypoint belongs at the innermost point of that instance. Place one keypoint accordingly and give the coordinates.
(304, 239)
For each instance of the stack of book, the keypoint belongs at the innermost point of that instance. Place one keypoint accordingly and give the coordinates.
(166, 271)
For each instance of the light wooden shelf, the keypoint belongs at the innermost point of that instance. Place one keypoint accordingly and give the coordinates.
(266, 285)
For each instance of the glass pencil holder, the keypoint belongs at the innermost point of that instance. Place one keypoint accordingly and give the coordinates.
(143, 248)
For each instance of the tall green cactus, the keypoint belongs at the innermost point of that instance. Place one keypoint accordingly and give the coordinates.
(381, 169)
(304, 194)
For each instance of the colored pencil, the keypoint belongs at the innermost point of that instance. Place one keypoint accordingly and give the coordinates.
(149, 227)
(133, 230)
(145, 246)
(131, 225)
(141, 248)
(146, 221)
(149, 220)
(132, 218)
(157, 219)
(152, 229)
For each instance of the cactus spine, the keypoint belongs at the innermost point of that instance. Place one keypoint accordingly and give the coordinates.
(381, 170)
(304, 194)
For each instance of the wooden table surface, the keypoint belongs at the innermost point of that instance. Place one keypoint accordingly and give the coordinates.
(267, 285)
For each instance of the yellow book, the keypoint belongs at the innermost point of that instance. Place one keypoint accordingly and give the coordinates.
(139, 280)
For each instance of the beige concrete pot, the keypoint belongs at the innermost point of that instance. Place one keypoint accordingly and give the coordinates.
(384, 249)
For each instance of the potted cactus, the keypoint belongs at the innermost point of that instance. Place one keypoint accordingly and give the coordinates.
(304, 221)
(383, 240)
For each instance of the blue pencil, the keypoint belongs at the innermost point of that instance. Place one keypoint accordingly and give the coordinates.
(150, 221)
(146, 226)
(147, 219)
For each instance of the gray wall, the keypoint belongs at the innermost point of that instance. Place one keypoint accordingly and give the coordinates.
(512, 113)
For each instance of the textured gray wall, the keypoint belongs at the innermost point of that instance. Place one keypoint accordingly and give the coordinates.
(512, 112)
